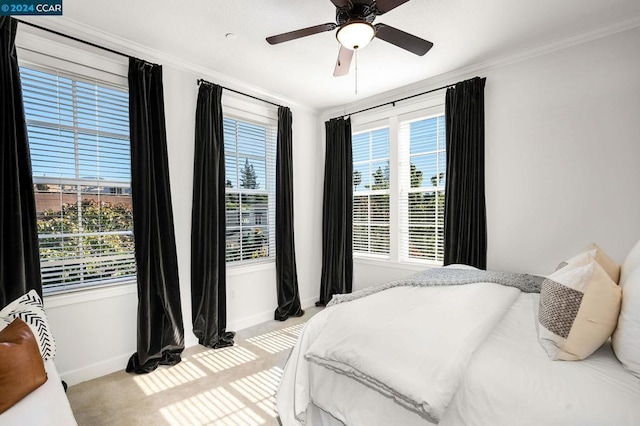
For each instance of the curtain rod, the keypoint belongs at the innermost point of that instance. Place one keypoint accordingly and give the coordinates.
(401, 99)
(200, 80)
(77, 39)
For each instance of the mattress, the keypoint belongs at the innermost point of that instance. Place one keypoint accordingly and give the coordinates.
(46, 406)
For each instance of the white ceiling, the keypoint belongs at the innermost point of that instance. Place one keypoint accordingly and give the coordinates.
(464, 32)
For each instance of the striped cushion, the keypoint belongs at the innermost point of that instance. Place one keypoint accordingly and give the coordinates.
(579, 307)
(29, 309)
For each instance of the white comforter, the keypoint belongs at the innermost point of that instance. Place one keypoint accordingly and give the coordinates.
(419, 370)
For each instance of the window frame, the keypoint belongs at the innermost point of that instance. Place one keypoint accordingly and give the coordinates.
(430, 105)
(91, 76)
(236, 109)
(369, 193)
(405, 155)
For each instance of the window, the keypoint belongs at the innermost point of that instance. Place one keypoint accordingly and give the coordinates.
(422, 182)
(250, 190)
(371, 192)
(79, 142)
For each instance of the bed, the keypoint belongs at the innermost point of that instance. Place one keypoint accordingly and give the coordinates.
(470, 354)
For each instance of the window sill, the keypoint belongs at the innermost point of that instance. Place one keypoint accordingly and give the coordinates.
(415, 266)
(89, 294)
(249, 268)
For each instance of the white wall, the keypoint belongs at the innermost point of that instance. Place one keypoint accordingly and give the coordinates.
(562, 155)
(95, 330)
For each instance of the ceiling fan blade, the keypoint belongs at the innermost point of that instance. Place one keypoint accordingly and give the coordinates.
(292, 35)
(340, 3)
(403, 40)
(344, 62)
(386, 5)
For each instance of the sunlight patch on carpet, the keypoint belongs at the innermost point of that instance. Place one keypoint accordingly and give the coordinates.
(165, 378)
(274, 341)
(294, 329)
(260, 388)
(216, 406)
(218, 360)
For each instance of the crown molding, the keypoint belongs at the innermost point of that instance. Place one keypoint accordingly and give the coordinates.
(85, 32)
(431, 83)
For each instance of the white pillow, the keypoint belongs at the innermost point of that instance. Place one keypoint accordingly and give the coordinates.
(29, 308)
(579, 308)
(626, 339)
(630, 263)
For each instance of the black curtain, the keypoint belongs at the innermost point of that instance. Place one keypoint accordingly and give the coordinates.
(19, 256)
(465, 222)
(160, 330)
(208, 221)
(287, 276)
(337, 220)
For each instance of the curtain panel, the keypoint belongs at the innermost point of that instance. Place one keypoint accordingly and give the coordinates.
(160, 329)
(337, 217)
(286, 273)
(19, 255)
(208, 221)
(465, 222)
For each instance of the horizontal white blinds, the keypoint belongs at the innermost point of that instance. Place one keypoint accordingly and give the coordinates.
(422, 181)
(80, 153)
(370, 151)
(250, 163)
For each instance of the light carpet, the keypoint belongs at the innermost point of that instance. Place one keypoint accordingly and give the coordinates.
(232, 386)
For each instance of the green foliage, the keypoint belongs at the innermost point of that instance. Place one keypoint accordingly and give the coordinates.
(380, 179)
(357, 178)
(248, 177)
(416, 177)
(74, 220)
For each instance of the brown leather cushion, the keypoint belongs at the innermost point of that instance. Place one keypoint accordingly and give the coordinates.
(21, 366)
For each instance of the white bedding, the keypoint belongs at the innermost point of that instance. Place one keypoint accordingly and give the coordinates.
(511, 381)
(46, 406)
(375, 351)
(508, 381)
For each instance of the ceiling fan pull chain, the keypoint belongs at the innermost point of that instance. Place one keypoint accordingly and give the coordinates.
(356, 52)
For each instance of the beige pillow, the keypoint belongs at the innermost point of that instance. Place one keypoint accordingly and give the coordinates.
(608, 264)
(579, 307)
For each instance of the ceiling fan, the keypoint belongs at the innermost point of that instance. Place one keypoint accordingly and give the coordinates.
(354, 20)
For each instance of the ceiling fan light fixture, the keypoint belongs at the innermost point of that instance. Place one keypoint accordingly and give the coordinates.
(355, 34)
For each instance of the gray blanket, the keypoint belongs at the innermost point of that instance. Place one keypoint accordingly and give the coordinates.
(449, 276)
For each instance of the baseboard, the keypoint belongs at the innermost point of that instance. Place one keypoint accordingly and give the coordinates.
(309, 303)
(263, 317)
(119, 363)
(96, 370)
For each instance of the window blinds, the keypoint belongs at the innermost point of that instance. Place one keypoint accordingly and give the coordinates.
(79, 142)
(371, 192)
(250, 157)
(422, 182)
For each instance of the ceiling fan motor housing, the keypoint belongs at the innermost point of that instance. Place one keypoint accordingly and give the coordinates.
(358, 12)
